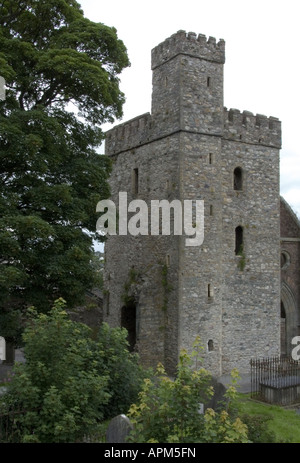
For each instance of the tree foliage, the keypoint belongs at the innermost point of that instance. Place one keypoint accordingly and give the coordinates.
(125, 374)
(61, 72)
(57, 395)
(168, 411)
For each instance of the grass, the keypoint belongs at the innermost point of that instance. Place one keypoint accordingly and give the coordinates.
(282, 422)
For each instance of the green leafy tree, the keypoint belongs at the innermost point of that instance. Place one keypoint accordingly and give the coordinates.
(70, 381)
(59, 393)
(125, 374)
(61, 72)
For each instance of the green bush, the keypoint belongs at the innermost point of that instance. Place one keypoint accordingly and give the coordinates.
(125, 374)
(258, 431)
(168, 410)
(69, 382)
(58, 394)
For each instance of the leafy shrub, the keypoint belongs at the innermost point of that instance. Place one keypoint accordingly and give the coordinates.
(125, 374)
(258, 430)
(57, 395)
(168, 410)
(69, 382)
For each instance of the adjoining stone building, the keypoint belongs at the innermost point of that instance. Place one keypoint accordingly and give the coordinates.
(290, 276)
(228, 289)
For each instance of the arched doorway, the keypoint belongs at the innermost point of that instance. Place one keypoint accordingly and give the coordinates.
(128, 321)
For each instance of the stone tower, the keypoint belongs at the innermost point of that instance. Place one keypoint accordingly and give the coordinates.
(226, 290)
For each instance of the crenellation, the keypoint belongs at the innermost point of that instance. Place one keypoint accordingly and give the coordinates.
(250, 128)
(212, 41)
(192, 36)
(128, 135)
(202, 39)
(189, 44)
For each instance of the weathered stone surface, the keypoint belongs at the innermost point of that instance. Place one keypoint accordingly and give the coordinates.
(290, 277)
(118, 429)
(188, 148)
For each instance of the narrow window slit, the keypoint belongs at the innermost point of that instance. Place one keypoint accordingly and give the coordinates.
(135, 181)
(238, 179)
(210, 345)
(239, 241)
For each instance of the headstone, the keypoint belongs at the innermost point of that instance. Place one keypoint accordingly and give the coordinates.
(201, 409)
(2, 88)
(118, 429)
(2, 348)
(218, 399)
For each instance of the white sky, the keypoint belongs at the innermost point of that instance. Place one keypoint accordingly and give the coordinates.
(262, 74)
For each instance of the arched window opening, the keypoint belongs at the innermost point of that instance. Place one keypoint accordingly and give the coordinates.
(239, 240)
(238, 179)
(210, 345)
(285, 260)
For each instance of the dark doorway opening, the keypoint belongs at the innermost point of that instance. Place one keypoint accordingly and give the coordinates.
(128, 321)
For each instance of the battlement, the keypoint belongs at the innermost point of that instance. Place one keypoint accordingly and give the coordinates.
(238, 126)
(249, 128)
(189, 44)
(130, 134)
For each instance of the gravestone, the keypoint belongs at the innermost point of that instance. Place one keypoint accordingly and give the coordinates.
(217, 401)
(118, 429)
(2, 348)
(2, 88)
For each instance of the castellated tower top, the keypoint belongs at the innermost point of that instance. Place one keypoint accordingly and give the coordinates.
(189, 44)
(187, 95)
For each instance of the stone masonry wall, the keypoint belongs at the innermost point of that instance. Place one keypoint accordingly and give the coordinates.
(153, 258)
(188, 148)
(290, 275)
(201, 266)
(251, 282)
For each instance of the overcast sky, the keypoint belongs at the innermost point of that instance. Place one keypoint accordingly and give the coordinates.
(262, 74)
